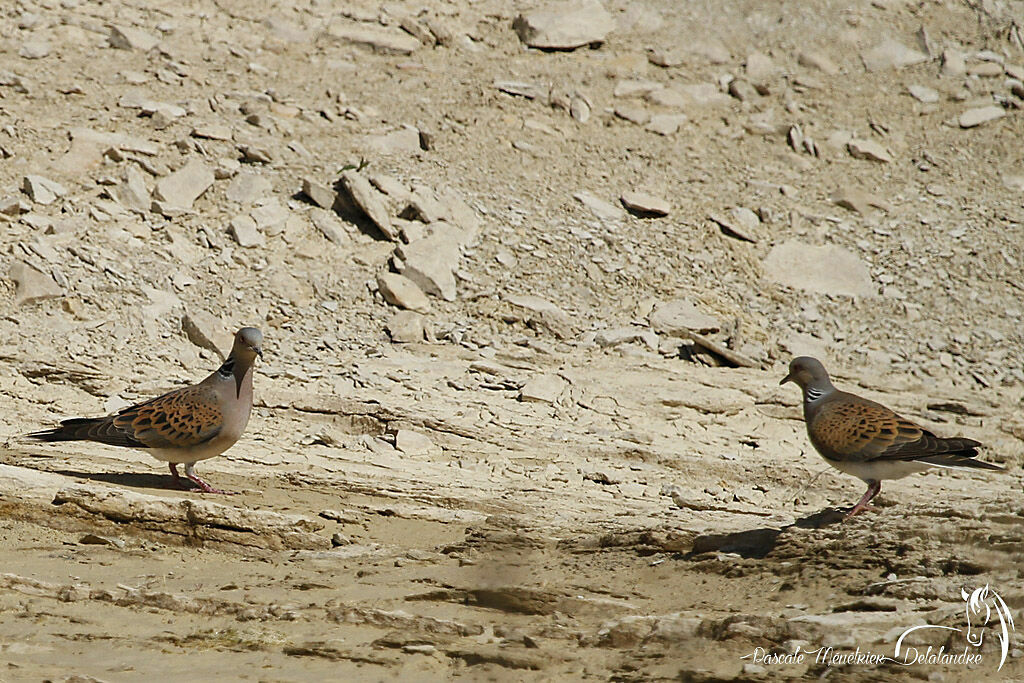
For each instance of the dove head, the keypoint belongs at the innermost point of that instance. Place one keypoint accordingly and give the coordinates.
(248, 344)
(810, 375)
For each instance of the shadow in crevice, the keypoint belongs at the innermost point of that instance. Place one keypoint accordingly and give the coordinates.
(136, 481)
(345, 207)
(757, 543)
(346, 210)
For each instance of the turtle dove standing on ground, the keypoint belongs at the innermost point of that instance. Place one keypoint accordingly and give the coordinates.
(183, 426)
(866, 439)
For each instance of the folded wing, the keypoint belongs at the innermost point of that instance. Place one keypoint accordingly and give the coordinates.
(857, 429)
(180, 419)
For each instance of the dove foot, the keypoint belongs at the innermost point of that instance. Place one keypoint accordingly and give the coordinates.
(858, 509)
(203, 486)
(873, 488)
(206, 488)
(193, 477)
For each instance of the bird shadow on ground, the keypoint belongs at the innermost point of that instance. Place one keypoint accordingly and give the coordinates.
(162, 482)
(757, 543)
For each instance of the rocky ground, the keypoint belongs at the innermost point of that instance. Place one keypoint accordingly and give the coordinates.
(528, 276)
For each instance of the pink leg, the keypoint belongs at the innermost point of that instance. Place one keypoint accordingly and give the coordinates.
(177, 480)
(206, 488)
(873, 488)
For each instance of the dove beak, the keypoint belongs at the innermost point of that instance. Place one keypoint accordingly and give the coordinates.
(258, 351)
(787, 378)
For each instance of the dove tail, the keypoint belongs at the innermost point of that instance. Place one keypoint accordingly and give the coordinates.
(69, 430)
(99, 429)
(960, 459)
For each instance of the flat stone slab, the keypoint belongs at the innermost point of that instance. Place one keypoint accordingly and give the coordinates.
(565, 25)
(675, 318)
(644, 203)
(891, 54)
(379, 39)
(544, 388)
(400, 291)
(828, 269)
(181, 188)
(976, 117)
(430, 263)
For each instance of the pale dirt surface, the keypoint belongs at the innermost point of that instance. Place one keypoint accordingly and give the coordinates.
(653, 522)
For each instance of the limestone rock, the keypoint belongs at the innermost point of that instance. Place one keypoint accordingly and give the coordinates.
(413, 443)
(270, 216)
(617, 336)
(868, 149)
(740, 222)
(819, 61)
(678, 317)
(255, 154)
(986, 70)
(35, 49)
(544, 388)
(243, 229)
(406, 327)
(606, 211)
(321, 195)
(635, 88)
(391, 186)
(400, 291)
(213, 131)
(890, 54)
(379, 39)
(131, 38)
(424, 206)
(691, 95)
(633, 113)
(858, 201)
(645, 204)
(461, 214)
(246, 188)
(828, 269)
(1014, 182)
(197, 519)
(742, 90)
(953, 62)
(430, 263)
(181, 188)
(543, 313)
(14, 206)
(132, 192)
(207, 332)
(31, 286)
(760, 68)
(118, 141)
(923, 94)
(286, 31)
(565, 25)
(404, 140)
(42, 190)
(666, 57)
(369, 201)
(976, 117)
(666, 124)
(226, 168)
(328, 224)
(710, 48)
